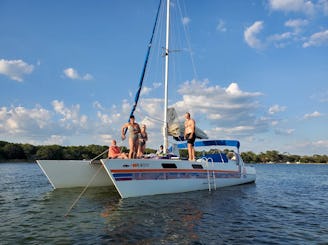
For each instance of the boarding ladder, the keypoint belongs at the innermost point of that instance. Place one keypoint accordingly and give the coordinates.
(210, 174)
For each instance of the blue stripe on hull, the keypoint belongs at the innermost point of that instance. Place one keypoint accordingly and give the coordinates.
(167, 176)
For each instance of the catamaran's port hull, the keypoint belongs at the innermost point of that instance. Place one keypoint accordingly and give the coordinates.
(74, 173)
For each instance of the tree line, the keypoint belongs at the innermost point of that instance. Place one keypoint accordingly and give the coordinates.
(27, 152)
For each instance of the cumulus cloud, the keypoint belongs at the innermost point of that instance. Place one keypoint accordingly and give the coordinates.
(15, 69)
(299, 27)
(312, 115)
(250, 35)
(276, 108)
(19, 119)
(43, 126)
(70, 116)
(71, 73)
(317, 39)
(304, 6)
(221, 107)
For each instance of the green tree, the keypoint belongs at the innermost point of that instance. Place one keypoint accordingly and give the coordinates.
(51, 152)
(29, 151)
(13, 151)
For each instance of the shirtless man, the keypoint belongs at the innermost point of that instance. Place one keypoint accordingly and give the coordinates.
(190, 136)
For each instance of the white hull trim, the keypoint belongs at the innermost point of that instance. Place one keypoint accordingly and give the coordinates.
(74, 173)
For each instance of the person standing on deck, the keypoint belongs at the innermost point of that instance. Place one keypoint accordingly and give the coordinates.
(143, 137)
(190, 136)
(134, 130)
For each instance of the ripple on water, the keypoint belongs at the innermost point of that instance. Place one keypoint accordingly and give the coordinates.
(287, 205)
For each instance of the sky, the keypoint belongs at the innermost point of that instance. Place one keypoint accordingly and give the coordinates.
(255, 71)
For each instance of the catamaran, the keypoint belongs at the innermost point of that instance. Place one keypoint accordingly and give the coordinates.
(159, 175)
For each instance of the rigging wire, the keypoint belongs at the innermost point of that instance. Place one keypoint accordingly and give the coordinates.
(187, 39)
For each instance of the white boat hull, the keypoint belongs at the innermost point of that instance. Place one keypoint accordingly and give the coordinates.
(74, 173)
(133, 178)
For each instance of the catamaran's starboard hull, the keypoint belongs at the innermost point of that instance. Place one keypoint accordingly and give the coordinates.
(133, 178)
(74, 173)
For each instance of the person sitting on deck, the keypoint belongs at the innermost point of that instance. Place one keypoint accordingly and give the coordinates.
(115, 152)
(160, 151)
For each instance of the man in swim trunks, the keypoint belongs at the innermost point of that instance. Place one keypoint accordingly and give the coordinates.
(190, 136)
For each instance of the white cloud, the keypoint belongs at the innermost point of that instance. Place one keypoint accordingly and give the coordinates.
(19, 120)
(276, 108)
(41, 126)
(71, 116)
(281, 131)
(316, 147)
(55, 140)
(321, 143)
(186, 20)
(317, 39)
(97, 105)
(15, 69)
(145, 90)
(221, 26)
(296, 24)
(304, 6)
(106, 138)
(323, 5)
(157, 85)
(222, 107)
(71, 73)
(250, 35)
(312, 115)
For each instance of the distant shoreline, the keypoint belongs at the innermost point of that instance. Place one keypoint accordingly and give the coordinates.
(16, 152)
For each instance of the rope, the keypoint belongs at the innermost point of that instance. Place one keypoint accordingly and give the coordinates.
(85, 188)
(98, 156)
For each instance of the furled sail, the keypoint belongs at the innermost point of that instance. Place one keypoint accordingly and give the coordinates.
(176, 128)
(136, 99)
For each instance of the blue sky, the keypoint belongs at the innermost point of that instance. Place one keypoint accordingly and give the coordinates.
(256, 71)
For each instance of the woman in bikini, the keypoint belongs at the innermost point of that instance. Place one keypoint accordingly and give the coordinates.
(143, 137)
(134, 130)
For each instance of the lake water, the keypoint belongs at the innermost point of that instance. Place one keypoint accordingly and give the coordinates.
(287, 205)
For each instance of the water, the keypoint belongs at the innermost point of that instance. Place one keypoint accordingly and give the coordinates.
(287, 205)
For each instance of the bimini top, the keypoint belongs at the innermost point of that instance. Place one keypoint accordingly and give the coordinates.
(200, 143)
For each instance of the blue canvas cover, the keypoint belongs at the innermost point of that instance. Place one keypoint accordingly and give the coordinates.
(234, 143)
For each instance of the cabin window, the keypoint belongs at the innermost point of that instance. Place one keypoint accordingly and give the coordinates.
(169, 165)
(197, 166)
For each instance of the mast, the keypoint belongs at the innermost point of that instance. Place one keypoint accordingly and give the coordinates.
(165, 134)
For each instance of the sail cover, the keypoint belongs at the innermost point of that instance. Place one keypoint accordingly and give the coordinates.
(176, 129)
